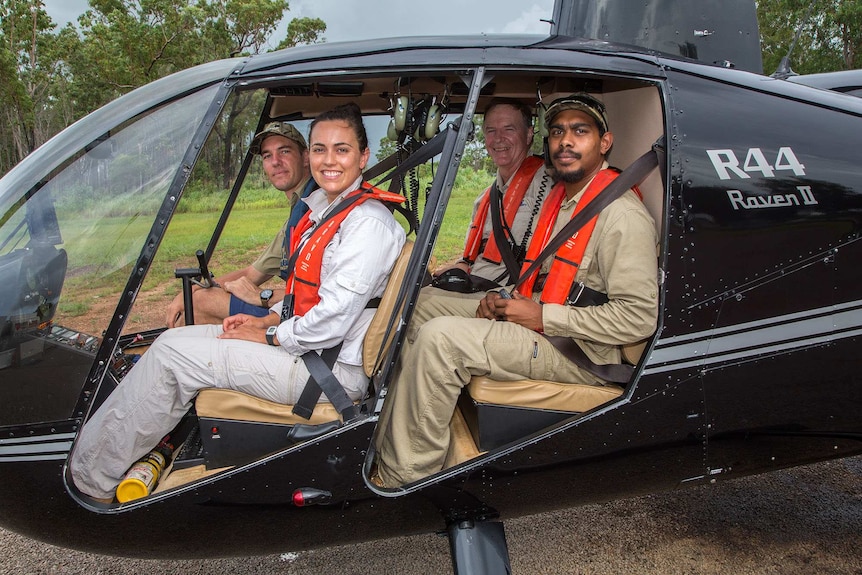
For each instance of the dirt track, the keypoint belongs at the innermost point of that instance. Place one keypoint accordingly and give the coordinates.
(801, 521)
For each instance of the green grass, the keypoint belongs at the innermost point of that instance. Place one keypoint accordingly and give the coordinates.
(249, 231)
(259, 213)
(100, 248)
(459, 211)
(74, 309)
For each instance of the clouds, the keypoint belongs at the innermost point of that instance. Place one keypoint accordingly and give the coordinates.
(62, 11)
(368, 19)
(533, 20)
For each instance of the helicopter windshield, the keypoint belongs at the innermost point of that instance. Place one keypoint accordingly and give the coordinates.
(80, 233)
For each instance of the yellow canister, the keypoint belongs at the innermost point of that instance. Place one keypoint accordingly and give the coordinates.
(141, 477)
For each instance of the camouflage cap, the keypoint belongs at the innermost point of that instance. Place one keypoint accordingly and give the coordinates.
(277, 129)
(581, 101)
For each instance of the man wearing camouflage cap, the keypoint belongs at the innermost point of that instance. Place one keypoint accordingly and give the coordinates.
(284, 154)
(614, 255)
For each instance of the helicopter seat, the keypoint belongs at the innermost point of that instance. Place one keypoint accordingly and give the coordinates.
(31, 280)
(499, 412)
(236, 428)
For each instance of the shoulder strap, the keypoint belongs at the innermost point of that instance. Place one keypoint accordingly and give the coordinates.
(499, 234)
(629, 177)
(427, 151)
(287, 267)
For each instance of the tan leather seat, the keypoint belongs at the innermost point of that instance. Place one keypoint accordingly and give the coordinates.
(230, 404)
(539, 394)
(234, 405)
(498, 412)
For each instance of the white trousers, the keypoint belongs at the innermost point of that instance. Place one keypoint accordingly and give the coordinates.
(158, 391)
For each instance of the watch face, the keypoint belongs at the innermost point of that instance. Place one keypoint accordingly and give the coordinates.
(266, 294)
(270, 334)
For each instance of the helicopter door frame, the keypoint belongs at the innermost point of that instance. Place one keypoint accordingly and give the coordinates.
(429, 228)
(93, 392)
(656, 104)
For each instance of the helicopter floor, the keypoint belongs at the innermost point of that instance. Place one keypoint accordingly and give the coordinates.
(462, 446)
(175, 478)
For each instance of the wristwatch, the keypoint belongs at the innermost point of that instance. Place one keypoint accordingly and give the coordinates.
(270, 334)
(265, 296)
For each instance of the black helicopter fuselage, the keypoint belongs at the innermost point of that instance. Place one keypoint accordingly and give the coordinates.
(753, 367)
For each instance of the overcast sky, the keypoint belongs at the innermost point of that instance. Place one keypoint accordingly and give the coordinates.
(368, 19)
(365, 19)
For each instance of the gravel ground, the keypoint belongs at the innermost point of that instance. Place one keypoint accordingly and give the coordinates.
(800, 521)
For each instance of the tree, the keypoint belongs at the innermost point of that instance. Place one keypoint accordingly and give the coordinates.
(830, 34)
(126, 44)
(303, 31)
(48, 80)
(30, 78)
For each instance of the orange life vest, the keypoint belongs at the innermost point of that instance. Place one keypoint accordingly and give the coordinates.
(511, 201)
(568, 257)
(304, 280)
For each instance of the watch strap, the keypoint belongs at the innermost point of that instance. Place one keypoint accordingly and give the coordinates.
(270, 335)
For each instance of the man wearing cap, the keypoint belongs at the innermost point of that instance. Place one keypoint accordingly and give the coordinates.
(284, 154)
(614, 255)
(521, 184)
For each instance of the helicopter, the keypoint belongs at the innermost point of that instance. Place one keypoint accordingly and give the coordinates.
(756, 195)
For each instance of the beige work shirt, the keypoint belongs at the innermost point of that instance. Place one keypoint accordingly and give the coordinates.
(269, 262)
(620, 261)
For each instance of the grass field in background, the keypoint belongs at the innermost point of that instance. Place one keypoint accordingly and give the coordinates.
(259, 214)
(99, 267)
(250, 230)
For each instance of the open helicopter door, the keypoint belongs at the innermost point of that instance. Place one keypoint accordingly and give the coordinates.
(489, 421)
(494, 414)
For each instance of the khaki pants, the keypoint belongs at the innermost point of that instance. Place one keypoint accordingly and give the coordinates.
(159, 390)
(447, 345)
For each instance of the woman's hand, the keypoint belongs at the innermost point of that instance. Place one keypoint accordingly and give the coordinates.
(248, 327)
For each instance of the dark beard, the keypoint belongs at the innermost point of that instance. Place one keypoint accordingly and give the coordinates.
(571, 177)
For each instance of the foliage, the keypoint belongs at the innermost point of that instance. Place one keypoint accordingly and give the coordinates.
(49, 78)
(830, 34)
(30, 79)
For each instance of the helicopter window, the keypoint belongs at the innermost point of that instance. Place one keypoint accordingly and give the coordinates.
(229, 208)
(69, 248)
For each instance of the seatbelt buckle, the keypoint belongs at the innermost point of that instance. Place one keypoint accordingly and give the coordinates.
(575, 294)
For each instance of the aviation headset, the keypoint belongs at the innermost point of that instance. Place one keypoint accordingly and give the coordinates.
(543, 132)
(406, 113)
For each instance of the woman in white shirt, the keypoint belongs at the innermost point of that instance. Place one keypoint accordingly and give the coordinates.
(349, 249)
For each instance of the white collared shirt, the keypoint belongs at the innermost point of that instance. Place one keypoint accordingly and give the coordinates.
(355, 268)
